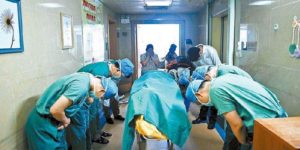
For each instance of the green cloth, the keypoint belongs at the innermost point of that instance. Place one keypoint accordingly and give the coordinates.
(225, 69)
(250, 99)
(96, 69)
(75, 87)
(87, 114)
(41, 128)
(157, 96)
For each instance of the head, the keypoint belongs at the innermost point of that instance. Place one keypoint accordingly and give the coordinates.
(104, 87)
(193, 53)
(200, 72)
(97, 89)
(115, 70)
(198, 92)
(201, 49)
(183, 76)
(149, 48)
(211, 73)
(188, 42)
(172, 48)
(126, 67)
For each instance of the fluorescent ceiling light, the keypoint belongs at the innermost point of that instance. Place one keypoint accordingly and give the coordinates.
(51, 5)
(259, 3)
(157, 3)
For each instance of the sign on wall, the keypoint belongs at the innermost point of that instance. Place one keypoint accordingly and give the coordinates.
(93, 31)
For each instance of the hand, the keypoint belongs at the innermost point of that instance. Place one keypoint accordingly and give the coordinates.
(64, 124)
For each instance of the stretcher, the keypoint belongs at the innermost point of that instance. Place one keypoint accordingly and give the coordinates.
(146, 131)
(156, 111)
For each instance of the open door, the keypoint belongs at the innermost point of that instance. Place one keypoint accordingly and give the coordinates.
(224, 42)
(112, 31)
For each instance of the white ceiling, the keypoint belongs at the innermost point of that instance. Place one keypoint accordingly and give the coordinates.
(137, 6)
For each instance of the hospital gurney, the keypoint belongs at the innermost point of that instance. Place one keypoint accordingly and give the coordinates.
(146, 131)
(155, 97)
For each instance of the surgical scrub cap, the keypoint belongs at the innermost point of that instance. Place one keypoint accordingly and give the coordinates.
(183, 80)
(192, 89)
(199, 73)
(110, 87)
(183, 76)
(126, 67)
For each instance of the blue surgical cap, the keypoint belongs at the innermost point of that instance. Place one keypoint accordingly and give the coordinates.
(199, 73)
(183, 76)
(183, 80)
(110, 87)
(192, 89)
(126, 67)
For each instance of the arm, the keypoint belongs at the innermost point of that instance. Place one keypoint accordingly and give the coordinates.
(57, 110)
(236, 125)
(155, 60)
(144, 60)
(215, 57)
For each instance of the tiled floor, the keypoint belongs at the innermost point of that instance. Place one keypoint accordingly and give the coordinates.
(200, 138)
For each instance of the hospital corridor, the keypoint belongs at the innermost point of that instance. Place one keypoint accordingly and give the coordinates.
(149, 74)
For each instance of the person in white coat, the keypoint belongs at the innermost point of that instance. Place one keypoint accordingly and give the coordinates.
(202, 55)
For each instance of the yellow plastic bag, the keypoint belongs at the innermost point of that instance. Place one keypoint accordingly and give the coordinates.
(148, 130)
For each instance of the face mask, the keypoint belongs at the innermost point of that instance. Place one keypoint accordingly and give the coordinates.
(209, 103)
(116, 78)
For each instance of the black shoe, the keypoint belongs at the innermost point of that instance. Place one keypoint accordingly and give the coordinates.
(119, 117)
(101, 140)
(106, 134)
(110, 120)
(198, 121)
(211, 124)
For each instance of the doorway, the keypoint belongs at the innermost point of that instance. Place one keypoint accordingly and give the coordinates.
(112, 31)
(220, 36)
(224, 40)
(160, 35)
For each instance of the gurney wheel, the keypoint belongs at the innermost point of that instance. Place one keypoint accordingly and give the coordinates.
(170, 145)
(141, 141)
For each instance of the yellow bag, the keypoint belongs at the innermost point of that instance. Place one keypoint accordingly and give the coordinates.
(148, 130)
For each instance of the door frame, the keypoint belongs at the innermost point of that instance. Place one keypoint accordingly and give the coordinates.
(112, 31)
(134, 38)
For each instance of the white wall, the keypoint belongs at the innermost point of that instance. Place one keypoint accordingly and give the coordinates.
(24, 76)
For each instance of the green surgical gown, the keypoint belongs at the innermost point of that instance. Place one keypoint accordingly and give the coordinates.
(96, 69)
(250, 99)
(77, 131)
(41, 128)
(227, 69)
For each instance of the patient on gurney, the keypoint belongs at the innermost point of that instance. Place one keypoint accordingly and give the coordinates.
(156, 110)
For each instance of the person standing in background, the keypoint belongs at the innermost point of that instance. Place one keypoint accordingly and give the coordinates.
(205, 55)
(149, 60)
(171, 56)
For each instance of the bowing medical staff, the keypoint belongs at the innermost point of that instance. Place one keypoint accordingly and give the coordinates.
(47, 121)
(114, 69)
(240, 100)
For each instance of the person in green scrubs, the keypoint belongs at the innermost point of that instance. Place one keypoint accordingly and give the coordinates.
(115, 69)
(240, 100)
(45, 127)
(83, 134)
(208, 72)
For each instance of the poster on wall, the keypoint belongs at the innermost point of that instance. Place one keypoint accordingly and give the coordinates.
(11, 33)
(67, 31)
(93, 31)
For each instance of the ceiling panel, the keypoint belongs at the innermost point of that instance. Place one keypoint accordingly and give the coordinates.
(137, 6)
